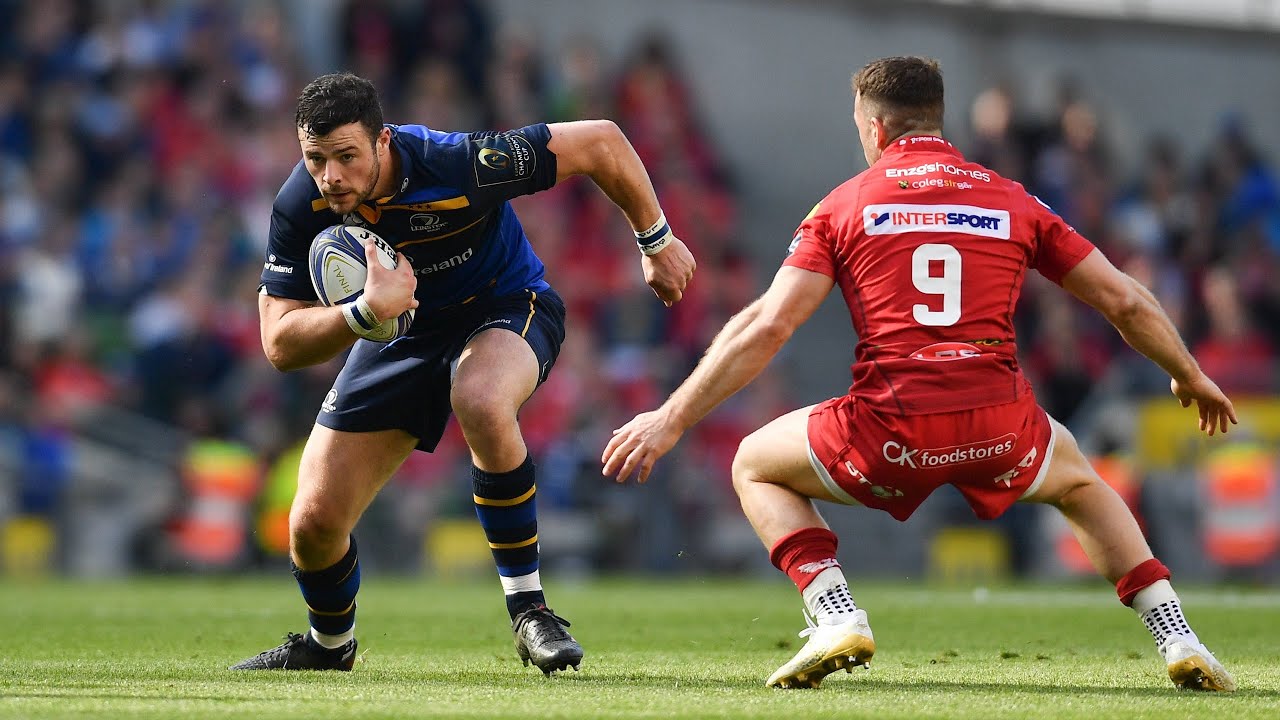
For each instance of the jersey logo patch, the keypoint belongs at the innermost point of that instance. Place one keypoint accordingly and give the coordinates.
(945, 351)
(502, 158)
(917, 459)
(961, 219)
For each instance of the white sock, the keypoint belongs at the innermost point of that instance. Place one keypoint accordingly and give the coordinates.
(828, 598)
(333, 642)
(521, 583)
(1161, 611)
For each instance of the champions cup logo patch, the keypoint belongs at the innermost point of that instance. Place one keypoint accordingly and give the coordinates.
(933, 458)
(795, 243)
(960, 219)
(495, 159)
(502, 158)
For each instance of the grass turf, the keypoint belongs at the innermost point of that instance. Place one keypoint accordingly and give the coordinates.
(159, 649)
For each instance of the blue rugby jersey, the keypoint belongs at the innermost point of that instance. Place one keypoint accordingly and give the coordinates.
(451, 216)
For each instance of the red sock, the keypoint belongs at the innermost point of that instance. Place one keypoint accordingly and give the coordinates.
(1139, 578)
(805, 553)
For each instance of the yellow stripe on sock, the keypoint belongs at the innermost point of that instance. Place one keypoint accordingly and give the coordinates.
(503, 503)
(333, 614)
(514, 545)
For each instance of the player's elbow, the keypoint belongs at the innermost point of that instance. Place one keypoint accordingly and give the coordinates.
(605, 132)
(278, 357)
(278, 353)
(603, 146)
(1127, 306)
(771, 332)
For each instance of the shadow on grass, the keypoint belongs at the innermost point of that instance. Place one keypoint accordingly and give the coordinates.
(593, 681)
(859, 683)
(113, 694)
(943, 686)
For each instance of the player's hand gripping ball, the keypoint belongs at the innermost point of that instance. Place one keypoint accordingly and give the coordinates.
(338, 273)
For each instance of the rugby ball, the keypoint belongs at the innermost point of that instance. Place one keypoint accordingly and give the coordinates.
(338, 272)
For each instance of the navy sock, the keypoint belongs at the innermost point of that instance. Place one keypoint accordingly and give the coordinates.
(521, 601)
(506, 509)
(330, 593)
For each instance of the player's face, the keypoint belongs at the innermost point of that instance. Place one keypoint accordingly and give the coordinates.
(345, 164)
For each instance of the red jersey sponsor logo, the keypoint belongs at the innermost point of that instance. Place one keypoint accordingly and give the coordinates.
(937, 167)
(936, 183)
(891, 219)
(946, 351)
(930, 458)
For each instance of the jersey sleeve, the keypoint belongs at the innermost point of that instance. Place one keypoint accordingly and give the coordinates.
(294, 225)
(812, 247)
(1058, 247)
(497, 166)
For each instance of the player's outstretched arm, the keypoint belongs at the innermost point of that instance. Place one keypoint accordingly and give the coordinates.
(1137, 314)
(736, 356)
(298, 333)
(599, 150)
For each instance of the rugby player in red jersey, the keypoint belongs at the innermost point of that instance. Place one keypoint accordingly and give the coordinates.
(930, 252)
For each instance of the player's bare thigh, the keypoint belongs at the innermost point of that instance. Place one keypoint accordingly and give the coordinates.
(496, 363)
(341, 472)
(778, 454)
(1068, 468)
(496, 373)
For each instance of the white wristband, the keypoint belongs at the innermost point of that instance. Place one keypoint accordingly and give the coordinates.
(657, 237)
(360, 317)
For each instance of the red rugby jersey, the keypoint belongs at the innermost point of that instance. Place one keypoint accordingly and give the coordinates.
(930, 252)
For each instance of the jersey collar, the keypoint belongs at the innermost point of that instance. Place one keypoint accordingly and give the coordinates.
(920, 143)
(404, 168)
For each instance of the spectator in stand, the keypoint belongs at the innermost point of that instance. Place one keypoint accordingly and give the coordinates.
(1233, 349)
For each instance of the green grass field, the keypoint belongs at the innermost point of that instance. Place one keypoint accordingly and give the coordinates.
(159, 649)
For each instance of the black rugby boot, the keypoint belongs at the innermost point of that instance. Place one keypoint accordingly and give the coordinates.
(541, 637)
(300, 652)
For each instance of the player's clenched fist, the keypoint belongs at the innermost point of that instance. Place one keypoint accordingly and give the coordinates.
(389, 291)
(669, 271)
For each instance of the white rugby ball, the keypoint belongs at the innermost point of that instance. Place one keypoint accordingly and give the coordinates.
(338, 272)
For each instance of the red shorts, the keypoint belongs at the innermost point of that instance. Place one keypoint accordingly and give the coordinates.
(993, 455)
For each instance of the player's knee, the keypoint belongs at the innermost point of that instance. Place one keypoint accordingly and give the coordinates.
(1070, 476)
(744, 468)
(479, 410)
(314, 529)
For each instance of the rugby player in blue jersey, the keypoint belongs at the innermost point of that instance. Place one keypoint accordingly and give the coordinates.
(487, 331)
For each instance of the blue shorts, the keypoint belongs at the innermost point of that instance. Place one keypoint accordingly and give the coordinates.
(405, 384)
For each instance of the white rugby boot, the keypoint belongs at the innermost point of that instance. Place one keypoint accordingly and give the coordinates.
(847, 645)
(1193, 667)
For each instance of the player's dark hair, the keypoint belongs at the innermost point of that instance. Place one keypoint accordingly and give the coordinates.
(904, 92)
(331, 101)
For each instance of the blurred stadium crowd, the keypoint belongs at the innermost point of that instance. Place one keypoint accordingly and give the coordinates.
(141, 144)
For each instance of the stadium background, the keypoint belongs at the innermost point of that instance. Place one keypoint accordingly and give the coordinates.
(141, 143)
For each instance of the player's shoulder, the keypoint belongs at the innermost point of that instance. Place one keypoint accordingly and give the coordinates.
(846, 192)
(420, 140)
(433, 156)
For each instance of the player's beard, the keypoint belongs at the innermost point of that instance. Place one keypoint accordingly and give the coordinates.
(362, 196)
